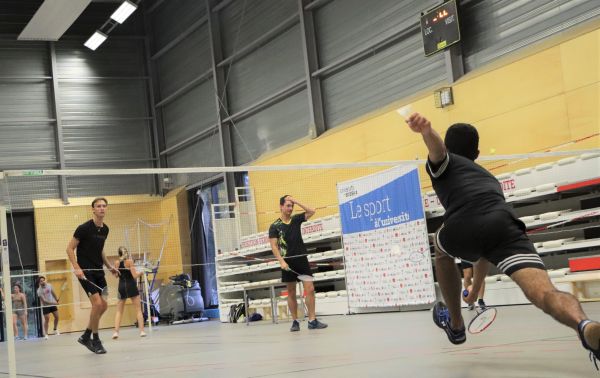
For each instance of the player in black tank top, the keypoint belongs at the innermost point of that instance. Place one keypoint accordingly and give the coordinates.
(128, 289)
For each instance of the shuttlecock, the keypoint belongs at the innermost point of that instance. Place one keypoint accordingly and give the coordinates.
(404, 111)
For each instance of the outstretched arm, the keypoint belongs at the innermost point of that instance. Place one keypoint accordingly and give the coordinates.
(308, 211)
(433, 141)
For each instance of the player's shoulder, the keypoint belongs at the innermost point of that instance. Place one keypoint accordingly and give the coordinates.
(276, 222)
(85, 225)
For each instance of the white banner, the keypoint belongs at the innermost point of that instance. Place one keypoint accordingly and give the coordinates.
(388, 262)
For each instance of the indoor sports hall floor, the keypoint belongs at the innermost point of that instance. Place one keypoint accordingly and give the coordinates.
(522, 342)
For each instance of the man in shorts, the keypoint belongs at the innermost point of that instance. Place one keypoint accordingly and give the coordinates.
(288, 247)
(467, 269)
(48, 300)
(481, 228)
(88, 240)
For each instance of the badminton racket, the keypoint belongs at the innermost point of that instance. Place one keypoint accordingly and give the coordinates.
(103, 290)
(301, 277)
(63, 287)
(483, 318)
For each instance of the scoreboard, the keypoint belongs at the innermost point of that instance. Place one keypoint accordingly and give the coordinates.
(439, 27)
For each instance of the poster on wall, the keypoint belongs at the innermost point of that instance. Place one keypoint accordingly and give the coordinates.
(384, 233)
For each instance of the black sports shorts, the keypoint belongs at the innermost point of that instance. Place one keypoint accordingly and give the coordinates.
(95, 283)
(49, 310)
(299, 264)
(498, 236)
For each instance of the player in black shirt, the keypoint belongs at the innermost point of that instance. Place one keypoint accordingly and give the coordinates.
(288, 247)
(88, 240)
(480, 227)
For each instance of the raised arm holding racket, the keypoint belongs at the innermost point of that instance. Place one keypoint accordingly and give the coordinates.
(478, 223)
(288, 247)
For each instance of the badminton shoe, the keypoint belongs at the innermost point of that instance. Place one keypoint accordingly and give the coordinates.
(316, 324)
(594, 353)
(295, 326)
(86, 342)
(441, 318)
(481, 304)
(98, 348)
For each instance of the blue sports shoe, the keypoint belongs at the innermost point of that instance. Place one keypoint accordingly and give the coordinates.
(441, 318)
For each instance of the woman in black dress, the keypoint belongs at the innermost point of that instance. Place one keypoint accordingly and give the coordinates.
(128, 289)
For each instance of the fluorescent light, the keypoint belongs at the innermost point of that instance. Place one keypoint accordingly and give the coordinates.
(95, 40)
(124, 11)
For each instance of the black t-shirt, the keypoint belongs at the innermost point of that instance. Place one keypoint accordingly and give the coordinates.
(464, 187)
(91, 242)
(289, 236)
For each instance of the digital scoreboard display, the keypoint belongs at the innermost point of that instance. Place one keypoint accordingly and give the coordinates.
(439, 27)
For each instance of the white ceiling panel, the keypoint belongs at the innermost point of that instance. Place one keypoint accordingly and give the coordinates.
(52, 19)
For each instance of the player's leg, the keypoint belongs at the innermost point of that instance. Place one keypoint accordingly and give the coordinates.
(467, 269)
(98, 308)
(24, 325)
(480, 301)
(55, 313)
(291, 299)
(448, 278)
(15, 329)
(538, 288)
(46, 323)
(118, 315)
(309, 290)
(137, 303)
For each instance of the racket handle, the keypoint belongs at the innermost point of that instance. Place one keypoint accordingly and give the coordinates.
(465, 293)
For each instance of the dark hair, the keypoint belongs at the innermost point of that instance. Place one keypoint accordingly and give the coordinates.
(463, 139)
(282, 200)
(123, 253)
(99, 199)
(19, 286)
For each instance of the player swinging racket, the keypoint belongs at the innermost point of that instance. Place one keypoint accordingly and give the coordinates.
(88, 240)
(480, 227)
(288, 247)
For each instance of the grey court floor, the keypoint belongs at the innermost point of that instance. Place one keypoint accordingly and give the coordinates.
(523, 342)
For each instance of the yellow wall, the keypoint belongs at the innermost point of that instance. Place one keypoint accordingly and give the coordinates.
(55, 224)
(538, 102)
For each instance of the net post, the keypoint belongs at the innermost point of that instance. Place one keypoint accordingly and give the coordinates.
(10, 341)
(148, 301)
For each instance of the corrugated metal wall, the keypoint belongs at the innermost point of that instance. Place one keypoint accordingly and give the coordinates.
(102, 104)
(266, 79)
(492, 29)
